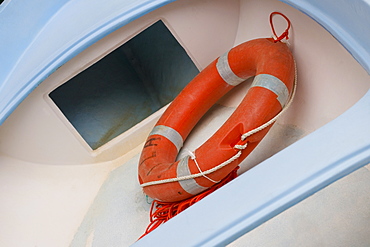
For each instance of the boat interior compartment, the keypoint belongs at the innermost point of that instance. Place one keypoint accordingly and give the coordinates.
(126, 86)
(69, 151)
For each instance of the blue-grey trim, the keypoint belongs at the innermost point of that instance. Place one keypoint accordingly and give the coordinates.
(27, 61)
(347, 21)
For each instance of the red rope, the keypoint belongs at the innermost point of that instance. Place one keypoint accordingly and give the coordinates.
(285, 33)
(160, 212)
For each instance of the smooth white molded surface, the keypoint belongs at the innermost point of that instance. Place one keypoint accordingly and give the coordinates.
(56, 191)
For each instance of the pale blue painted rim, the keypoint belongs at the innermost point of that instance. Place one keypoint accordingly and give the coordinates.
(346, 139)
(13, 92)
(347, 21)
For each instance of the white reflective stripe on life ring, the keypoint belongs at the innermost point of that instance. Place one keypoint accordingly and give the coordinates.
(170, 133)
(225, 71)
(189, 185)
(273, 84)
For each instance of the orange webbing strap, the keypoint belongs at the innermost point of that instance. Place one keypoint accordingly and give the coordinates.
(160, 212)
(285, 33)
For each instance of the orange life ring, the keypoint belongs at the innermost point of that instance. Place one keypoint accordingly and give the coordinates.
(273, 66)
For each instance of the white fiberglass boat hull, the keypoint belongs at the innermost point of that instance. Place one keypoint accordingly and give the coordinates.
(58, 191)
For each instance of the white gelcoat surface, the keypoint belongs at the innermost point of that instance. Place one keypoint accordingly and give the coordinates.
(55, 191)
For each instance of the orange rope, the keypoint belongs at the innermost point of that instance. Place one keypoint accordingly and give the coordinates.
(160, 212)
(285, 33)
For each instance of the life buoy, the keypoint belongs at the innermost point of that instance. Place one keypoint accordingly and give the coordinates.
(167, 180)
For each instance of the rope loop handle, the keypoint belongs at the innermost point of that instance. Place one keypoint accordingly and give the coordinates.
(285, 33)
